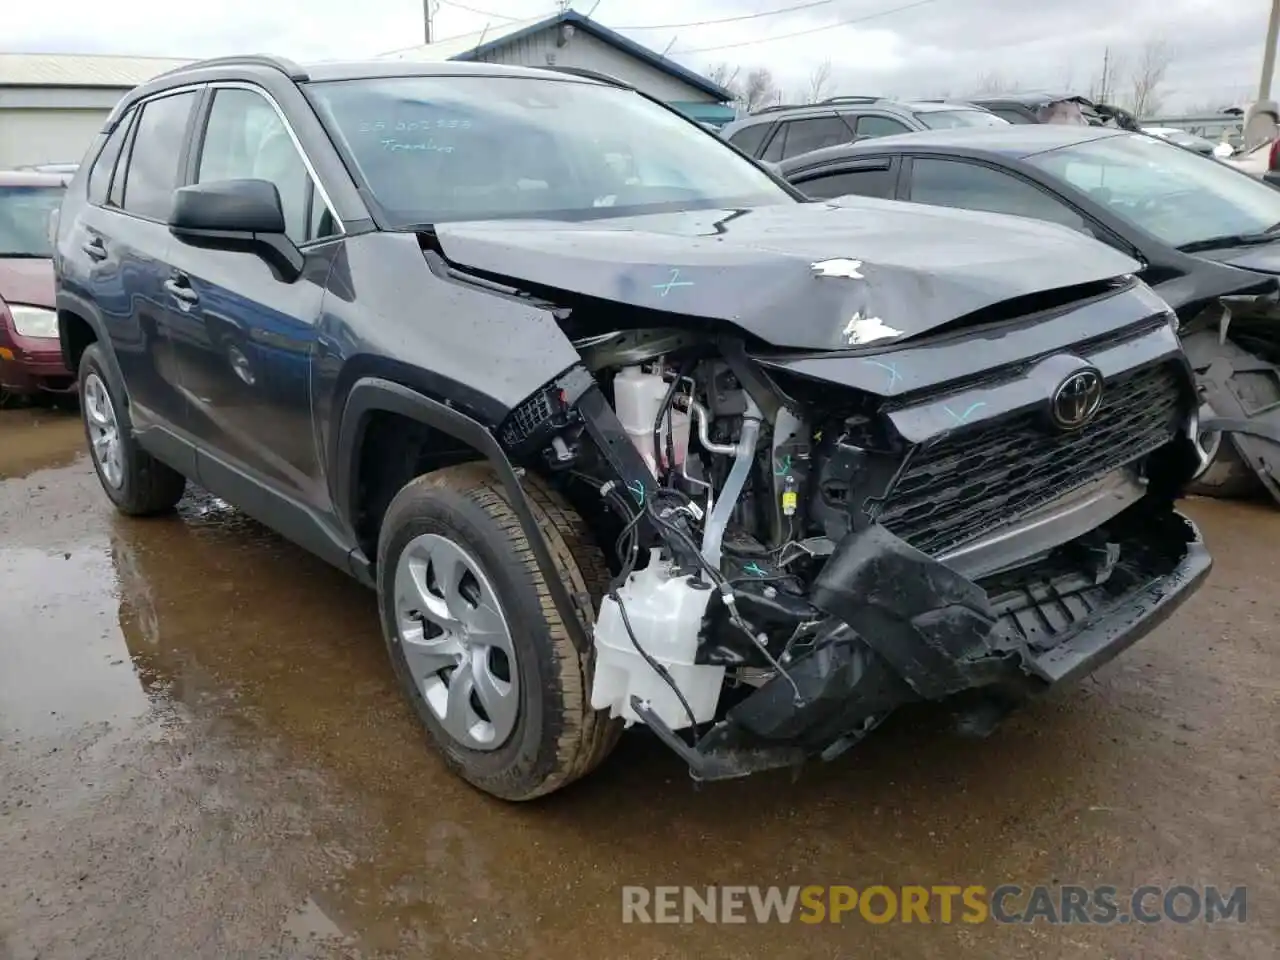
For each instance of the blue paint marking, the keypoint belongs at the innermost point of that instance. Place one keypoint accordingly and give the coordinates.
(675, 281)
(755, 569)
(964, 417)
(894, 375)
(783, 466)
(637, 490)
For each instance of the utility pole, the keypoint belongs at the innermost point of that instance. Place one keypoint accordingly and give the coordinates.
(1269, 52)
(426, 18)
(1106, 72)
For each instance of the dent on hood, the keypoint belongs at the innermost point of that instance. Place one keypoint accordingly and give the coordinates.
(802, 276)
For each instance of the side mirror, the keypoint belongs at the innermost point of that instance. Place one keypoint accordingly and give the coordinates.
(236, 215)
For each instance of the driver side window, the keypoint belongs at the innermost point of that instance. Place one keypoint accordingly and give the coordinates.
(245, 138)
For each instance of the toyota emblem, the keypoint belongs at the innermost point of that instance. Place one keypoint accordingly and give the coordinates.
(1077, 399)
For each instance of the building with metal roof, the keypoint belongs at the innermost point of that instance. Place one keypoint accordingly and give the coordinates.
(52, 105)
(570, 39)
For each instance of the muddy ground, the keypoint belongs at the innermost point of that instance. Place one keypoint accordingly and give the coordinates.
(202, 755)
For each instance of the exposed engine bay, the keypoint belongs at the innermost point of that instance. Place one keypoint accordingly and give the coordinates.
(804, 543)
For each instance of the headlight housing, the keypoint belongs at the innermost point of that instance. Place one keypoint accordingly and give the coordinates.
(36, 322)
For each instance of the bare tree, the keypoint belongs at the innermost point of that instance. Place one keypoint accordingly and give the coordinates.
(1148, 73)
(991, 83)
(758, 89)
(723, 75)
(819, 82)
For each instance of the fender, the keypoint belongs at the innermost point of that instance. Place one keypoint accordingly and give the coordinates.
(83, 309)
(371, 394)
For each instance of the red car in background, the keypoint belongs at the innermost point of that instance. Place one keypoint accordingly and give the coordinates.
(30, 359)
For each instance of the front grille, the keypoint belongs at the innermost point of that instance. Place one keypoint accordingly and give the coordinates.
(976, 479)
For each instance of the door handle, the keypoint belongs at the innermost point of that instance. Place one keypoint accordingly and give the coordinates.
(95, 248)
(181, 290)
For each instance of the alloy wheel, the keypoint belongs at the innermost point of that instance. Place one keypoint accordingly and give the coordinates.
(104, 431)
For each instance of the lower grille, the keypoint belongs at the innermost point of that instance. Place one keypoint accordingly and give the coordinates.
(975, 479)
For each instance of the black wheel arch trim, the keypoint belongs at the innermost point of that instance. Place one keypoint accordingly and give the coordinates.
(70, 303)
(372, 394)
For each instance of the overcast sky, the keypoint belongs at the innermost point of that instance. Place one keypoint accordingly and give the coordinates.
(930, 48)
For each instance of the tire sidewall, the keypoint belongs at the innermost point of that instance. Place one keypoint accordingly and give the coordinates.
(93, 361)
(529, 753)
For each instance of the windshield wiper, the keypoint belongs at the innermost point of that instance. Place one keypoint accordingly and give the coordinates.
(1270, 235)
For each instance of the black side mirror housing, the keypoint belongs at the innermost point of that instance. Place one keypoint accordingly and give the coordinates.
(237, 215)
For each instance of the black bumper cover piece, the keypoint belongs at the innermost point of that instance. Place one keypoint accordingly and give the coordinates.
(917, 630)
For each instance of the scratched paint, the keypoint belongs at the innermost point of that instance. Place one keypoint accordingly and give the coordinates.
(889, 368)
(963, 418)
(860, 330)
(673, 281)
(841, 268)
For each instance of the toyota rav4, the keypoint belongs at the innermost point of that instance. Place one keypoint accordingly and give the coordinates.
(621, 429)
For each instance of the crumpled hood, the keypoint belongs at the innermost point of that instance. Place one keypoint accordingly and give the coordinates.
(28, 281)
(817, 276)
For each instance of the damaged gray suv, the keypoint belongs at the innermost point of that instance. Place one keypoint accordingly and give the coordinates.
(620, 428)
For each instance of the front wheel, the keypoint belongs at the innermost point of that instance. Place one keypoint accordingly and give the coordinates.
(475, 639)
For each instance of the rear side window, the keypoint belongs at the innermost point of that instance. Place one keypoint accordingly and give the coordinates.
(749, 139)
(153, 159)
(880, 127)
(813, 133)
(105, 165)
(874, 181)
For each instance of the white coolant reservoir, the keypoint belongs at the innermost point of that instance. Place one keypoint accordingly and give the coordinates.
(665, 614)
(637, 398)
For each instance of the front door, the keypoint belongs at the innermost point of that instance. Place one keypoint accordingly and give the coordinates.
(247, 336)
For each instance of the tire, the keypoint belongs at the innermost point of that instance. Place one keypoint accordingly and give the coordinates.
(137, 483)
(1228, 477)
(555, 736)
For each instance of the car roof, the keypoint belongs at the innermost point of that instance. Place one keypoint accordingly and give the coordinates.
(1015, 140)
(845, 104)
(32, 178)
(1026, 99)
(258, 65)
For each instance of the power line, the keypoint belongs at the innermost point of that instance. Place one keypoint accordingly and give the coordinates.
(802, 33)
(483, 13)
(745, 16)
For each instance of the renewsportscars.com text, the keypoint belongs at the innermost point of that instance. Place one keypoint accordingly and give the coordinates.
(973, 904)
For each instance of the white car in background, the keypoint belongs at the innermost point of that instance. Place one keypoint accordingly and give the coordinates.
(1182, 138)
(1262, 161)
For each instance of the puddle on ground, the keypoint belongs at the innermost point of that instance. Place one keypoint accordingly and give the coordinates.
(203, 754)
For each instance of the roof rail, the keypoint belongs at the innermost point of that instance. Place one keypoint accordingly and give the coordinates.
(774, 107)
(588, 74)
(852, 99)
(285, 66)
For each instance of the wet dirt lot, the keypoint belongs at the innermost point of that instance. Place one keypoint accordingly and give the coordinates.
(202, 754)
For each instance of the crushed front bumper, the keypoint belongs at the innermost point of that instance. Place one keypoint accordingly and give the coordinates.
(915, 630)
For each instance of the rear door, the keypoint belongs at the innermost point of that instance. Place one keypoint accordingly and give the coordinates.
(122, 236)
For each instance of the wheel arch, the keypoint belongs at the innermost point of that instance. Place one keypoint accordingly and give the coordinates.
(370, 397)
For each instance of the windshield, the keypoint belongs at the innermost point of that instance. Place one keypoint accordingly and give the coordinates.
(949, 119)
(434, 149)
(1178, 196)
(25, 218)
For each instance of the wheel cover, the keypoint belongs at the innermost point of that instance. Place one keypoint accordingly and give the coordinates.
(104, 431)
(456, 642)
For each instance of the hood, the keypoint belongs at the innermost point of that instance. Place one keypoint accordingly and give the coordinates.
(1260, 258)
(26, 281)
(813, 276)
